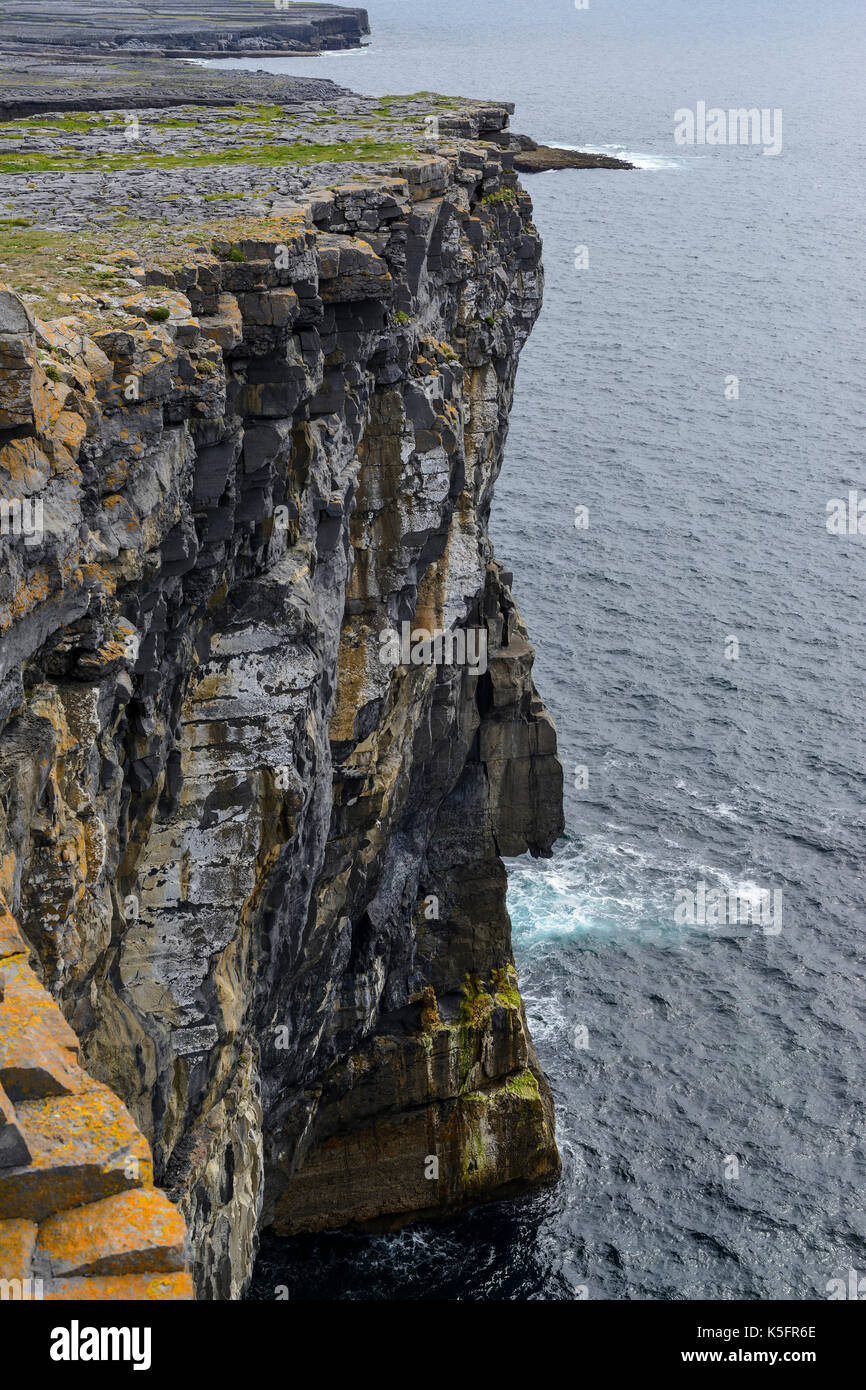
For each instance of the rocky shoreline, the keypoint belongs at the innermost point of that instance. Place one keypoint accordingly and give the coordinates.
(532, 158)
(541, 159)
(37, 86)
(166, 28)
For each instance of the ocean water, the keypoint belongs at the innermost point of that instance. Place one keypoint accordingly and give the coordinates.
(708, 1078)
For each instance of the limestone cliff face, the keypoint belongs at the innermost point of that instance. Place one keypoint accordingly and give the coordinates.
(255, 851)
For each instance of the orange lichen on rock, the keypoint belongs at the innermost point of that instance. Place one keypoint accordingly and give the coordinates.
(27, 1004)
(132, 1233)
(11, 941)
(128, 1288)
(17, 1243)
(84, 1147)
(77, 1201)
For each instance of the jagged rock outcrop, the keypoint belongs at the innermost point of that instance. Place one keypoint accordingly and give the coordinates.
(268, 714)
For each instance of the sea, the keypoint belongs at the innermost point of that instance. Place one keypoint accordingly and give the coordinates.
(688, 429)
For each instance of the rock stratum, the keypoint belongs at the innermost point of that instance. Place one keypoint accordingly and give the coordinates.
(178, 28)
(256, 367)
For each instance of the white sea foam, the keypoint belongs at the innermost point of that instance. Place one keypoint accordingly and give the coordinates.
(652, 162)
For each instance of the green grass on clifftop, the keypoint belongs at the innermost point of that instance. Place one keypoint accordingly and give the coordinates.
(72, 161)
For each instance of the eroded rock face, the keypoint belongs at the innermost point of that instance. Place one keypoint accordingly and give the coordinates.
(257, 849)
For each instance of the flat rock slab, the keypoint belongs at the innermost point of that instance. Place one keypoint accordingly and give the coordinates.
(132, 1233)
(545, 157)
(32, 1064)
(84, 1148)
(24, 996)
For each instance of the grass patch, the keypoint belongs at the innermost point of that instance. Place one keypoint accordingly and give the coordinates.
(524, 1086)
(502, 195)
(174, 123)
(81, 123)
(47, 263)
(74, 161)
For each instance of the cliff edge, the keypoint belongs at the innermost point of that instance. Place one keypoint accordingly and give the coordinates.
(267, 718)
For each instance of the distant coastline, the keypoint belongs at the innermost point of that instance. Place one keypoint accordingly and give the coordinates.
(542, 158)
(217, 29)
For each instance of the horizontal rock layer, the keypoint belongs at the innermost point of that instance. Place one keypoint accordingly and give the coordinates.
(180, 27)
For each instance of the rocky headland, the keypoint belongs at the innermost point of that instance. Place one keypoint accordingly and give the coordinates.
(178, 28)
(256, 367)
(540, 159)
(268, 726)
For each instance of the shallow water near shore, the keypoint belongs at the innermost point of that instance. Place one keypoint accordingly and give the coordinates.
(674, 1049)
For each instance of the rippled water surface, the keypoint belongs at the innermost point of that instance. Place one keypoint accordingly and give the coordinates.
(707, 521)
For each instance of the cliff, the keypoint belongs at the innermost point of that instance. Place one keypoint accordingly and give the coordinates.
(179, 28)
(267, 710)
